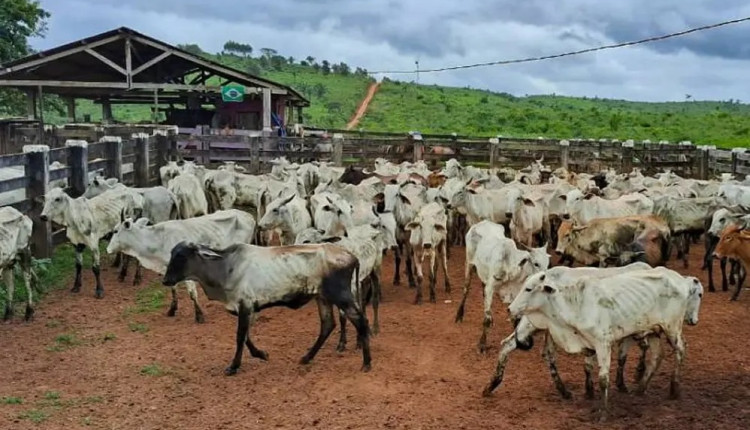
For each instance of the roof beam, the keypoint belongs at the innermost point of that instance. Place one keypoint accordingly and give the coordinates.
(69, 84)
(53, 57)
(151, 62)
(209, 65)
(106, 61)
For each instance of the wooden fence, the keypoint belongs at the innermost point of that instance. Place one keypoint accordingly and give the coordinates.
(135, 160)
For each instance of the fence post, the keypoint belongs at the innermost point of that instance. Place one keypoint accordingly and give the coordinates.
(37, 170)
(416, 138)
(140, 166)
(627, 155)
(564, 153)
(705, 154)
(338, 149)
(113, 154)
(162, 147)
(254, 146)
(735, 159)
(78, 160)
(494, 141)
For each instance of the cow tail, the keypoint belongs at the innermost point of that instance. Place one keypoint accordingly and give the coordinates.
(360, 301)
(666, 248)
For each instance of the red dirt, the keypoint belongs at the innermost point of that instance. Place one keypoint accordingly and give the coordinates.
(426, 371)
(362, 108)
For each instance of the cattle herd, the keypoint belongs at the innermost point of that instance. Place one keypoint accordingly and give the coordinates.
(334, 225)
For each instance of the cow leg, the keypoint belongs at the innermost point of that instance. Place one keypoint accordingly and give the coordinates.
(173, 305)
(193, 293)
(678, 343)
(686, 239)
(433, 275)
(723, 267)
(397, 271)
(550, 357)
(243, 328)
(254, 351)
(117, 260)
(138, 278)
(654, 344)
(622, 355)
(410, 260)
(444, 255)
(604, 359)
(640, 369)
(342, 337)
(468, 271)
(588, 370)
(420, 276)
(26, 269)
(489, 292)
(740, 280)
(325, 310)
(79, 266)
(733, 272)
(124, 268)
(359, 320)
(709, 264)
(99, 292)
(10, 286)
(508, 345)
(375, 280)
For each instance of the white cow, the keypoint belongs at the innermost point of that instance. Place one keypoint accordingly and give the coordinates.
(428, 234)
(152, 244)
(289, 215)
(190, 196)
(500, 265)
(15, 240)
(592, 315)
(583, 209)
(87, 221)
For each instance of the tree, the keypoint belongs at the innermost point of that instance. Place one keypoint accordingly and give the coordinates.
(344, 68)
(253, 69)
(310, 59)
(268, 52)
(325, 67)
(290, 60)
(19, 20)
(193, 49)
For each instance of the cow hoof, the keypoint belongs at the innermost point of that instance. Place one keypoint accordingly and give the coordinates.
(482, 349)
(199, 318)
(29, 313)
(589, 395)
(487, 392)
(304, 360)
(711, 289)
(121, 278)
(173, 310)
(623, 389)
(76, 289)
(229, 371)
(99, 294)
(396, 282)
(366, 368)
(565, 394)
(262, 355)
(418, 301)
(341, 347)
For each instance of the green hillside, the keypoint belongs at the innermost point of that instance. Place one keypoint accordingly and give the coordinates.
(335, 90)
(431, 109)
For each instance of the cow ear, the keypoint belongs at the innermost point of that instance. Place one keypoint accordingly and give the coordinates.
(142, 222)
(439, 227)
(411, 226)
(523, 261)
(327, 208)
(126, 224)
(208, 254)
(588, 196)
(528, 202)
(379, 197)
(549, 289)
(332, 239)
(564, 197)
(443, 199)
(471, 190)
(404, 199)
(122, 215)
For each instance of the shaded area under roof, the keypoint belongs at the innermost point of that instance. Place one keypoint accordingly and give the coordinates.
(124, 65)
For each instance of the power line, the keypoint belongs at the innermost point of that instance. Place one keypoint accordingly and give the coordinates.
(567, 54)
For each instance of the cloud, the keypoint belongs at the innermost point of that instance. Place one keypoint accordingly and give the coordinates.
(393, 34)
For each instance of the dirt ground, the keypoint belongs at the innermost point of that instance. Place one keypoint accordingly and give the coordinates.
(84, 363)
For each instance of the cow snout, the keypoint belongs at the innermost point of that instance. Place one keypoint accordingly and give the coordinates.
(566, 216)
(427, 245)
(558, 252)
(692, 321)
(44, 218)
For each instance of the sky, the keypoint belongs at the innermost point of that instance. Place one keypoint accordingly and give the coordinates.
(390, 34)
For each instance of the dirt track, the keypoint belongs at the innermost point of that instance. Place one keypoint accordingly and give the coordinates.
(85, 363)
(363, 105)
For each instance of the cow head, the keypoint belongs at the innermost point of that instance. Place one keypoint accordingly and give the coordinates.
(56, 206)
(695, 295)
(734, 242)
(277, 214)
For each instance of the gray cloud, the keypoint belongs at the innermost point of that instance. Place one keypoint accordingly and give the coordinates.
(391, 35)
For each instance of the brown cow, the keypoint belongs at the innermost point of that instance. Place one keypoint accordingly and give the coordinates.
(734, 242)
(435, 180)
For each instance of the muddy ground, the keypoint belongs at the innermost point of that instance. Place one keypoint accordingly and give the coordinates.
(120, 363)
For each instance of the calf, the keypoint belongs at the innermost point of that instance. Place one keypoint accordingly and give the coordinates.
(15, 249)
(428, 234)
(734, 242)
(248, 279)
(501, 267)
(152, 244)
(721, 219)
(87, 222)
